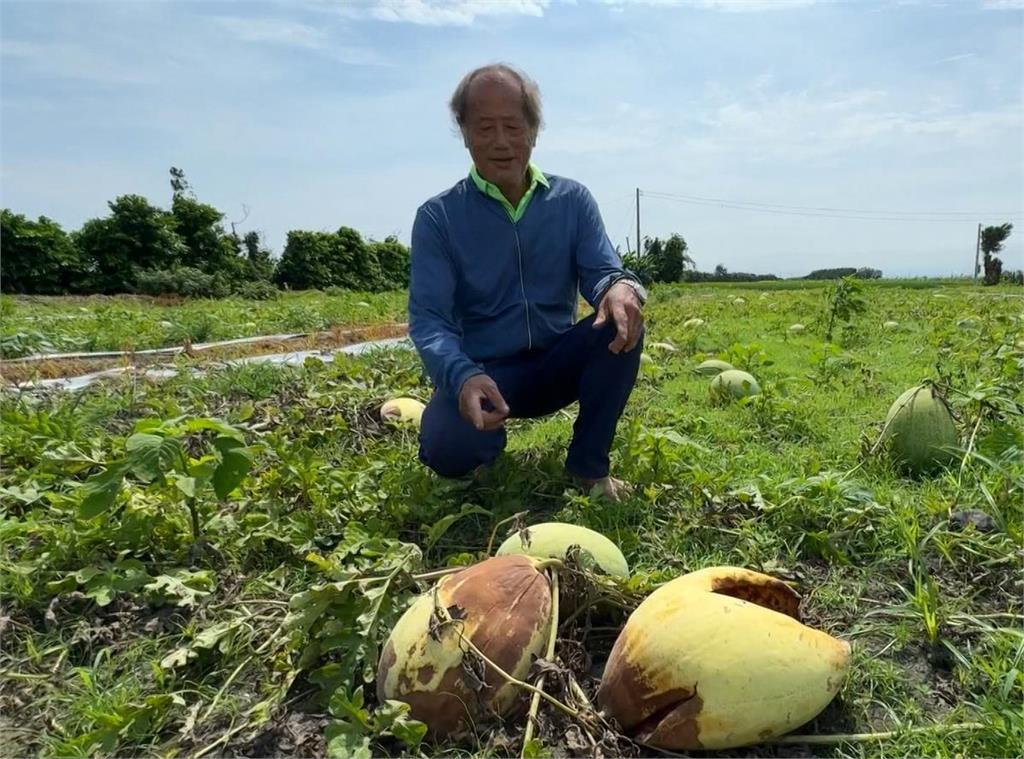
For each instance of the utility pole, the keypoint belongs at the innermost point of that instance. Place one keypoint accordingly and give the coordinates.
(977, 252)
(639, 251)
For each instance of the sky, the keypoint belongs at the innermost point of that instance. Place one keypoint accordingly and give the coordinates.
(733, 117)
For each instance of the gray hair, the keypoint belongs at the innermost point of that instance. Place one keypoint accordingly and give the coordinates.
(531, 94)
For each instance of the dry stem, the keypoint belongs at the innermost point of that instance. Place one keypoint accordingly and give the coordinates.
(548, 655)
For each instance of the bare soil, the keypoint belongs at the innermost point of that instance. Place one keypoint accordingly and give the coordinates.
(14, 372)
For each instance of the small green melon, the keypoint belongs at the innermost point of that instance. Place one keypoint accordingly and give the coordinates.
(733, 384)
(553, 539)
(663, 347)
(921, 429)
(712, 366)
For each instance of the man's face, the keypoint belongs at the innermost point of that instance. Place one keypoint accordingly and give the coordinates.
(496, 132)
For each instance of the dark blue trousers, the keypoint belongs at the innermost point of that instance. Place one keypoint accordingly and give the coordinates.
(577, 367)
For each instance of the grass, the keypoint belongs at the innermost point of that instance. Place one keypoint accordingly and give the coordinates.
(121, 639)
(36, 324)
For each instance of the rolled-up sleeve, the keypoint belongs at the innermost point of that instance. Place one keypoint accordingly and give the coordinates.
(433, 326)
(598, 264)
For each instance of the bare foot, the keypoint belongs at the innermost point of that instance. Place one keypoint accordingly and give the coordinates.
(611, 488)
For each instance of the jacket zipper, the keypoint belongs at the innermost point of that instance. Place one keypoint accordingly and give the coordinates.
(522, 286)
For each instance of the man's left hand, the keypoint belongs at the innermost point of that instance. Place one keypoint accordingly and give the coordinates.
(622, 305)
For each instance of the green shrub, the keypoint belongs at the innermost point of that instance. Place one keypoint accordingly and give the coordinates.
(257, 291)
(182, 280)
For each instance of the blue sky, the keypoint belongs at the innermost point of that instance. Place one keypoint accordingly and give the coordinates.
(315, 115)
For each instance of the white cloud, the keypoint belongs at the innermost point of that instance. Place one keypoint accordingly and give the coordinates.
(805, 125)
(751, 6)
(727, 6)
(438, 12)
(1003, 5)
(951, 58)
(292, 34)
(273, 30)
(72, 61)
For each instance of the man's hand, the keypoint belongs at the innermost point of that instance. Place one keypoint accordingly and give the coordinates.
(623, 307)
(476, 391)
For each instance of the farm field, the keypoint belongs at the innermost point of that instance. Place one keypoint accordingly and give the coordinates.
(209, 566)
(45, 324)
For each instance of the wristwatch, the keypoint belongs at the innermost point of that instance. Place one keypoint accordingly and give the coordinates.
(638, 288)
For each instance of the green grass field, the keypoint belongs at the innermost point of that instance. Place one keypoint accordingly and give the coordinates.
(207, 566)
(40, 324)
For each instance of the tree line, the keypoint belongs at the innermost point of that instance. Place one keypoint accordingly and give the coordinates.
(669, 260)
(186, 250)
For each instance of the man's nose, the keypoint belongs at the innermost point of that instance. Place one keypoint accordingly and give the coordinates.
(501, 138)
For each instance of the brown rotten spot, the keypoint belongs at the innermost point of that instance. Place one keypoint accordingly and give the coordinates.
(501, 605)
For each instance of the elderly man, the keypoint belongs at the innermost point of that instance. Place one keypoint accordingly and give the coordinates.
(497, 261)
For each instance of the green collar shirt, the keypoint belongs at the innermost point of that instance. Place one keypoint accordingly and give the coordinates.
(515, 213)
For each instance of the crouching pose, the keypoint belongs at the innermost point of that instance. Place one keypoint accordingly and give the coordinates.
(497, 262)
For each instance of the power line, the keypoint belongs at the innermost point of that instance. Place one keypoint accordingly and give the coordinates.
(827, 208)
(828, 213)
(813, 213)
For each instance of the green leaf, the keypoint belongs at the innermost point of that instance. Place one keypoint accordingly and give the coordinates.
(100, 491)
(441, 526)
(409, 731)
(184, 588)
(203, 469)
(25, 495)
(349, 708)
(101, 592)
(179, 657)
(345, 741)
(535, 749)
(56, 587)
(393, 717)
(245, 411)
(218, 636)
(203, 423)
(186, 485)
(236, 460)
(144, 456)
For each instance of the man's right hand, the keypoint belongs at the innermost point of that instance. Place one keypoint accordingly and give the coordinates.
(476, 391)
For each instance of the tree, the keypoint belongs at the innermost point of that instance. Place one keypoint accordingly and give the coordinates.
(199, 226)
(37, 257)
(992, 239)
(306, 261)
(637, 264)
(258, 254)
(136, 236)
(394, 261)
(654, 253)
(179, 185)
(341, 259)
(668, 259)
(720, 270)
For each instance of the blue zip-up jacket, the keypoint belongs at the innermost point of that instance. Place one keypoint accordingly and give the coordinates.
(485, 287)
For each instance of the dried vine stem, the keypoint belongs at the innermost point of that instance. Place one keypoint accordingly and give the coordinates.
(494, 532)
(531, 716)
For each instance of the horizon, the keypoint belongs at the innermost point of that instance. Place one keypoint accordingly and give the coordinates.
(740, 122)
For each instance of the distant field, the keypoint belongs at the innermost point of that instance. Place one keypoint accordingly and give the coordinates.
(916, 283)
(105, 323)
(152, 609)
